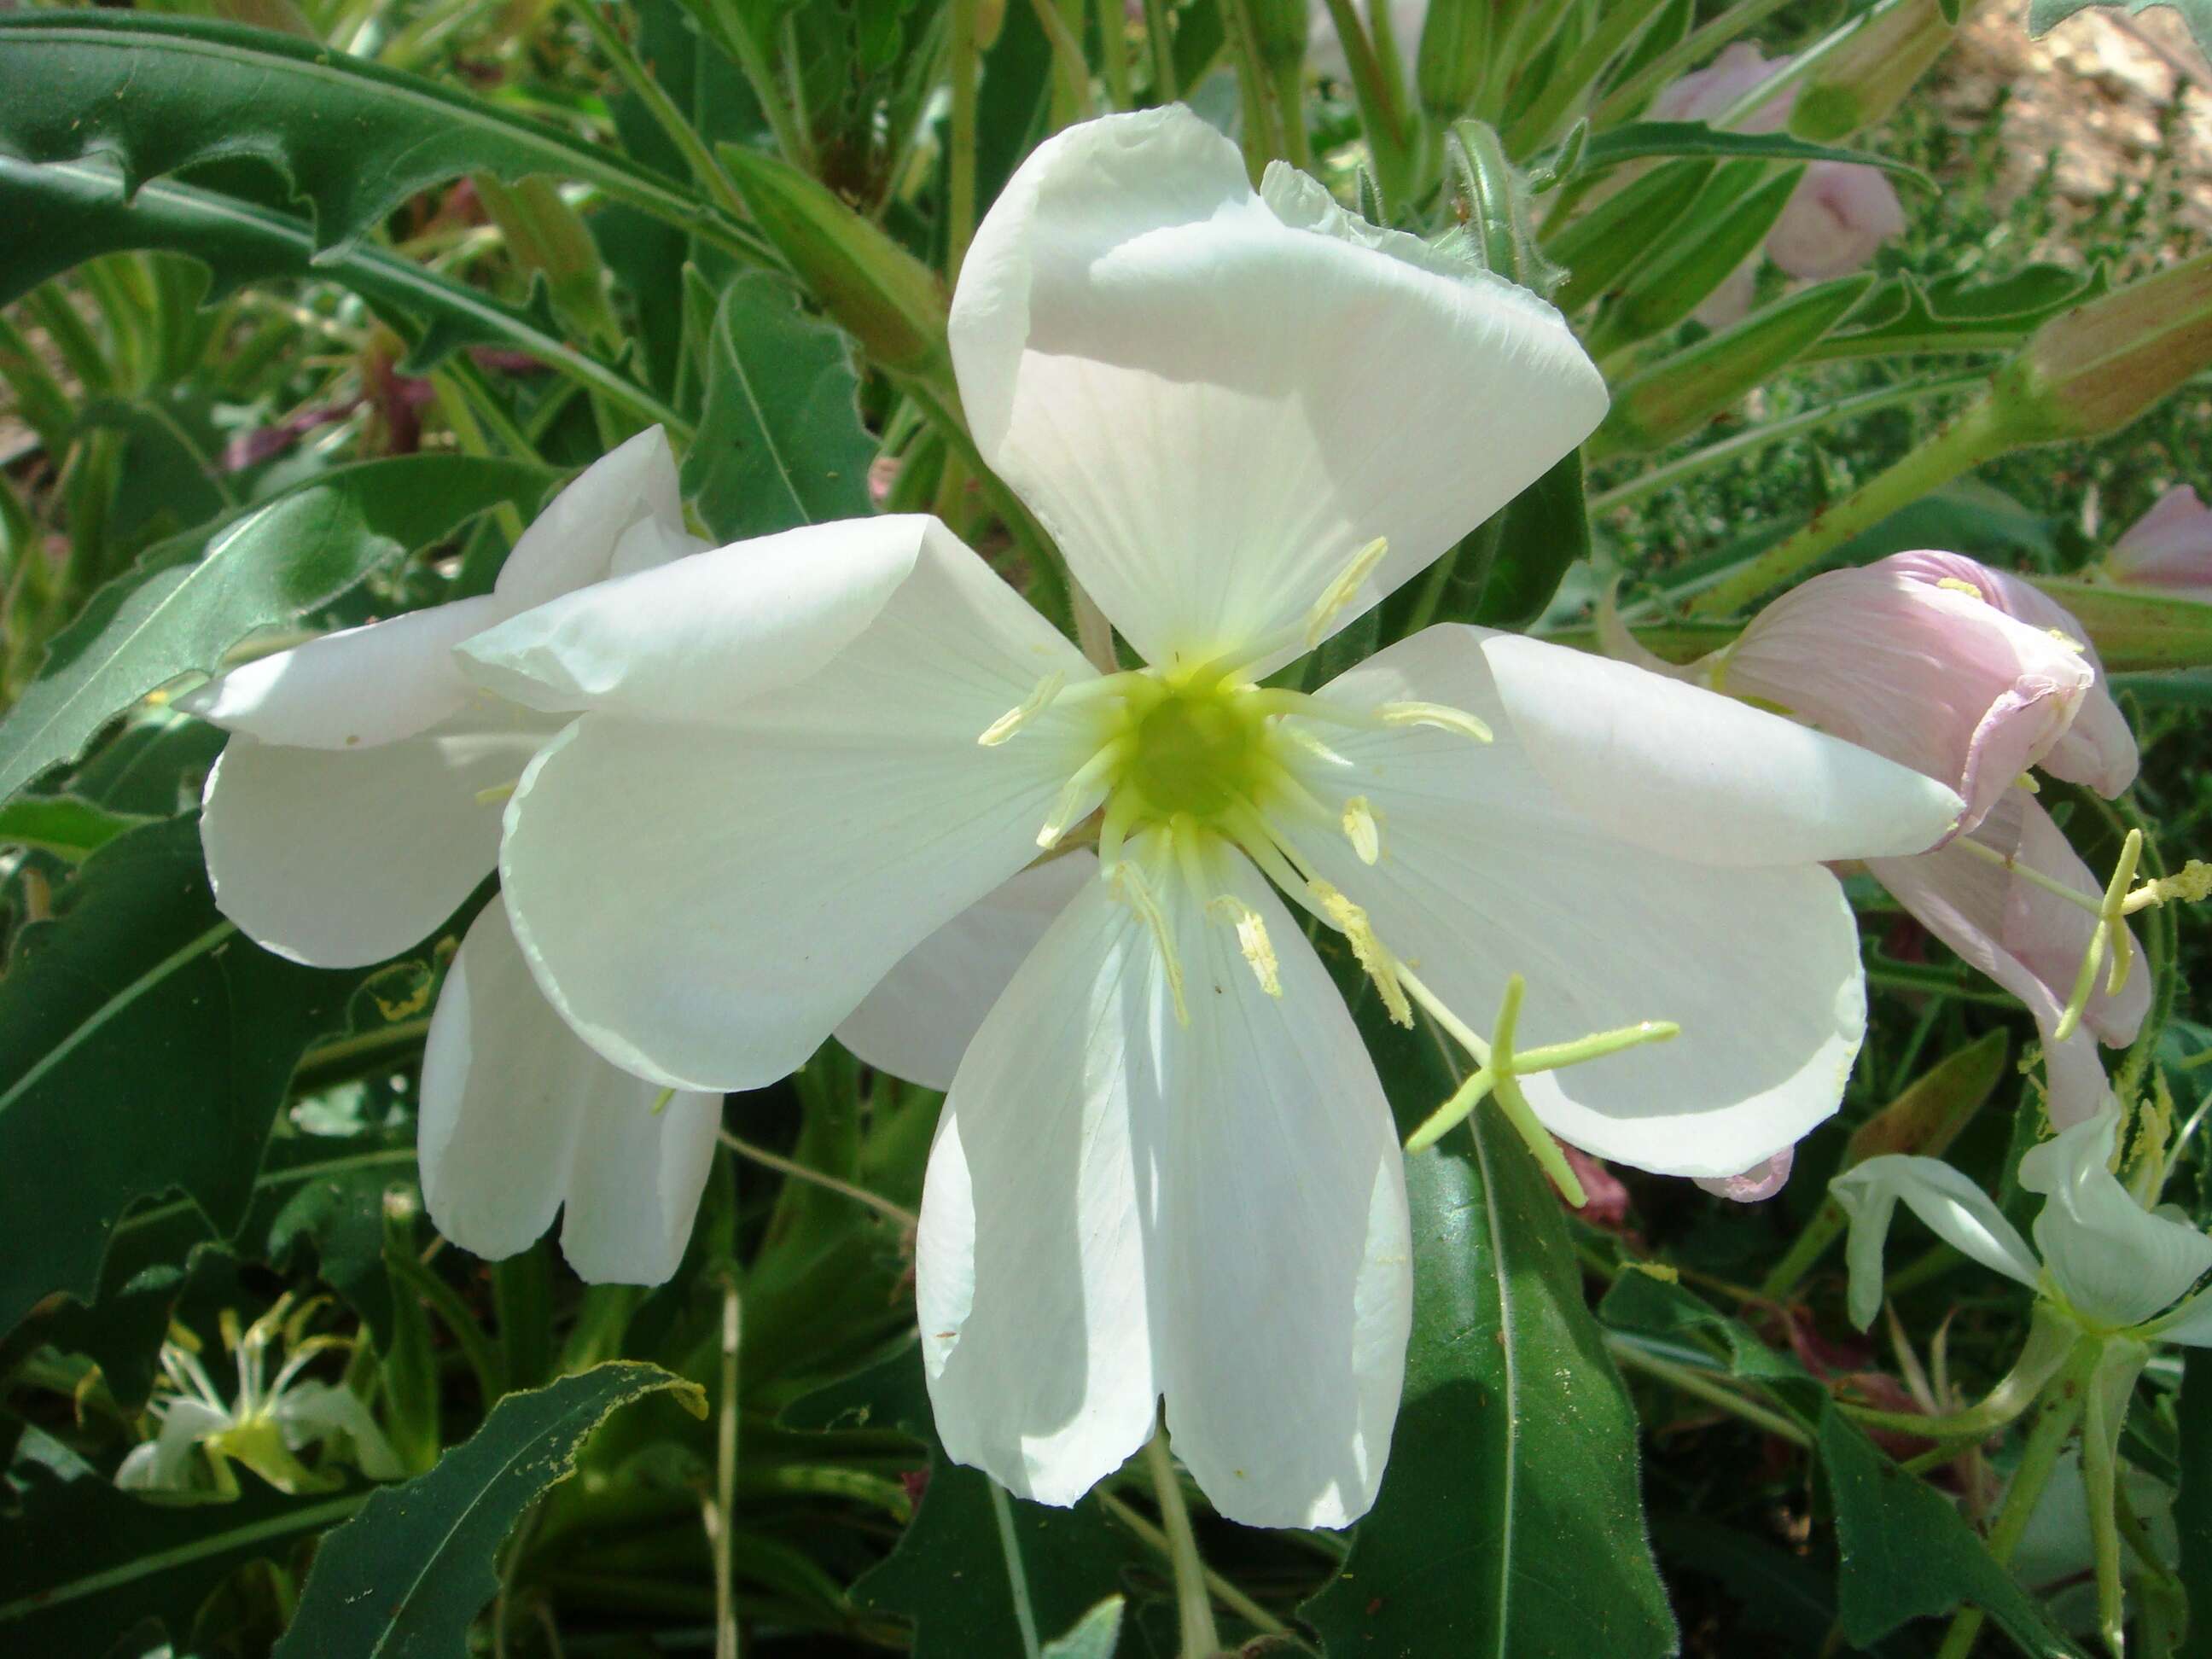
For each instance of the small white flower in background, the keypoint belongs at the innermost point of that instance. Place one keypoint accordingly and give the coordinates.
(1165, 1167)
(358, 804)
(1837, 218)
(2101, 1258)
(1972, 677)
(271, 1421)
(2168, 549)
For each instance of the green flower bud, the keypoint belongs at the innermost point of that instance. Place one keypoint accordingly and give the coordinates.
(2098, 367)
(1868, 75)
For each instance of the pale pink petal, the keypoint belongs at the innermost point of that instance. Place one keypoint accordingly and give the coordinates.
(1928, 674)
(1763, 1179)
(2098, 751)
(1839, 215)
(2169, 547)
(1711, 90)
(2028, 940)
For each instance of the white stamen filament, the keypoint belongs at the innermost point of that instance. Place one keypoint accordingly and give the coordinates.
(1339, 594)
(1133, 890)
(1023, 712)
(1442, 716)
(1068, 807)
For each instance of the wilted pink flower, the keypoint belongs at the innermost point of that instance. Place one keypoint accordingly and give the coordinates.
(1763, 1179)
(2169, 548)
(1840, 213)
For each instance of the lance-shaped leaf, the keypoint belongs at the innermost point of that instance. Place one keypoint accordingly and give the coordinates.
(81, 1562)
(1722, 229)
(1507, 578)
(191, 599)
(1607, 240)
(64, 825)
(781, 443)
(983, 1575)
(1661, 403)
(354, 138)
(1905, 316)
(1509, 1521)
(69, 212)
(1641, 139)
(137, 995)
(406, 1577)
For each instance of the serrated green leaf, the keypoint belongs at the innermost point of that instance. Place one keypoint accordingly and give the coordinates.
(353, 138)
(406, 1577)
(1509, 1521)
(781, 443)
(81, 1562)
(65, 825)
(953, 1571)
(2043, 16)
(1906, 316)
(73, 211)
(193, 597)
(138, 991)
(1640, 140)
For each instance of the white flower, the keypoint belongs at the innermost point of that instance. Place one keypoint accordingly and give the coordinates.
(1165, 1167)
(358, 804)
(264, 1428)
(2112, 1265)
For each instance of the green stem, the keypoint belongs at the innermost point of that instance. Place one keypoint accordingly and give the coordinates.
(1114, 53)
(960, 160)
(1194, 1611)
(1071, 75)
(1980, 434)
(697, 155)
(1223, 1592)
(726, 1475)
(1160, 41)
(784, 1166)
(1810, 1246)
(792, 139)
(1266, 130)
(454, 1314)
(1757, 438)
(1017, 1581)
(2062, 1410)
(1697, 1384)
(1619, 27)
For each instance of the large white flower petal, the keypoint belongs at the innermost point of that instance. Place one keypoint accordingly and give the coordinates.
(1214, 400)
(519, 1118)
(706, 902)
(920, 1018)
(1686, 772)
(338, 858)
(501, 1109)
(2114, 1261)
(1284, 1294)
(1485, 871)
(573, 541)
(1956, 1210)
(355, 688)
(1030, 1263)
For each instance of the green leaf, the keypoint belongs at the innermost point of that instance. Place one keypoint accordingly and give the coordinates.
(81, 1562)
(157, 95)
(138, 991)
(2192, 1503)
(73, 211)
(406, 1576)
(1907, 1553)
(64, 825)
(1509, 1521)
(2134, 630)
(1908, 316)
(1642, 139)
(781, 443)
(1094, 1636)
(1602, 245)
(983, 1575)
(1724, 226)
(1546, 529)
(2043, 16)
(193, 597)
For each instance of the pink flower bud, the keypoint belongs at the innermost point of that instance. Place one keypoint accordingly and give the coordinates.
(2027, 939)
(1711, 90)
(1914, 663)
(2097, 750)
(2168, 549)
(1762, 1180)
(1840, 215)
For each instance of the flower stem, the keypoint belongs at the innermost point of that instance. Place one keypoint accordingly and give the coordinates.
(960, 162)
(1223, 1592)
(1194, 1611)
(726, 1475)
(1699, 1386)
(2062, 1410)
(1017, 1582)
(1979, 434)
(681, 133)
(784, 1166)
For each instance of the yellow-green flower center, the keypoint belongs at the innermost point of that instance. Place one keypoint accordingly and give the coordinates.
(1197, 752)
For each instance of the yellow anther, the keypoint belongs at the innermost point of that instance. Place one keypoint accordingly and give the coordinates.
(1251, 938)
(1133, 890)
(1960, 584)
(1024, 711)
(1339, 594)
(2027, 781)
(1362, 829)
(660, 1101)
(1440, 715)
(1373, 957)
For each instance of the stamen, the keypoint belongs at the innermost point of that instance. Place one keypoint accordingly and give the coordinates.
(660, 1101)
(1960, 584)
(1121, 812)
(1313, 746)
(1133, 889)
(1026, 710)
(1441, 716)
(2110, 932)
(1251, 938)
(1339, 594)
(1362, 829)
(498, 792)
(1069, 805)
(1380, 966)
